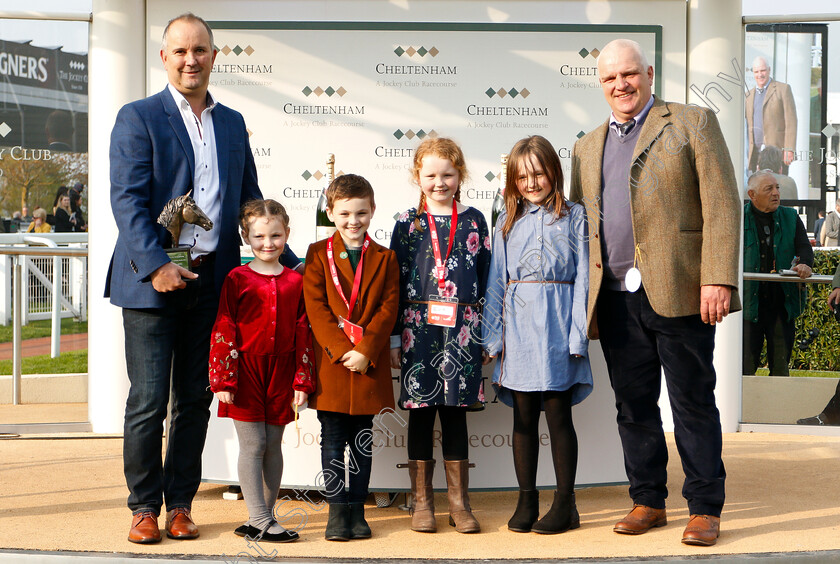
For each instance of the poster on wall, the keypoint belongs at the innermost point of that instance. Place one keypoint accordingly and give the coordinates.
(369, 93)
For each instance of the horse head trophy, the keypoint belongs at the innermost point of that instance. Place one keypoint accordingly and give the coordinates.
(175, 214)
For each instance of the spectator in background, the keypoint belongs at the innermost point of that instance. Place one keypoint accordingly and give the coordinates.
(818, 227)
(771, 116)
(59, 130)
(770, 158)
(64, 222)
(24, 214)
(774, 239)
(830, 231)
(79, 223)
(39, 222)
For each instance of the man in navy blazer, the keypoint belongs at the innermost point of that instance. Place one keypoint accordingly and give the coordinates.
(162, 147)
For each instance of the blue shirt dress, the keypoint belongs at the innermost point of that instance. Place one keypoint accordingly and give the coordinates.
(534, 316)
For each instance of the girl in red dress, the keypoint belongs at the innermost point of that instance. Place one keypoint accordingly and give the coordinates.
(260, 362)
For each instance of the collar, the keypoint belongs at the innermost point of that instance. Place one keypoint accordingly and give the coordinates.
(766, 86)
(183, 104)
(640, 117)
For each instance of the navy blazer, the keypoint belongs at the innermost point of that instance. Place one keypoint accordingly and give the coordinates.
(152, 162)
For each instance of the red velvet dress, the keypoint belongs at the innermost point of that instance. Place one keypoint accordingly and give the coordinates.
(261, 345)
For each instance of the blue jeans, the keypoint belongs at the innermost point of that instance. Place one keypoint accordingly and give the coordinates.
(337, 431)
(167, 349)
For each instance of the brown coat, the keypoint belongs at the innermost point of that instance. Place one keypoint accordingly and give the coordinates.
(779, 118)
(338, 389)
(684, 203)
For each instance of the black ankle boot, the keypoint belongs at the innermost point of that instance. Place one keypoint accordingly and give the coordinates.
(562, 516)
(359, 529)
(527, 511)
(338, 523)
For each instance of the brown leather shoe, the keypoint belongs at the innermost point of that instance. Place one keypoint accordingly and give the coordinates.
(702, 530)
(144, 528)
(179, 524)
(640, 520)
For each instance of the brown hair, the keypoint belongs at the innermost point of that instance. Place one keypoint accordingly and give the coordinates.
(349, 186)
(540, 148)
(261, 208)
(444, 148)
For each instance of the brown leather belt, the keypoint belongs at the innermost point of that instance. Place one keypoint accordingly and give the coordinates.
(540, 282)
(427, 303)
(202, 259)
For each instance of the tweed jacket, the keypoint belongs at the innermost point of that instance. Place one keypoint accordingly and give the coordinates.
(337, 389)
(779, 113)
(684, 204)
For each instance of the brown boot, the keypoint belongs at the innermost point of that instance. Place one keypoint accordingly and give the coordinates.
(422, 495)
(458, 482)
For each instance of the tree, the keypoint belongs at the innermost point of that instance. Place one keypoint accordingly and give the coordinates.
(32, 182)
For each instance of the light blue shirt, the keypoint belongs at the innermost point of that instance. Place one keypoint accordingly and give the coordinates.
(532, 323)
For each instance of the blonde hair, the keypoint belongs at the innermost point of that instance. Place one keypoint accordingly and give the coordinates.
(444, 148)
(261, 208)
(539, 147)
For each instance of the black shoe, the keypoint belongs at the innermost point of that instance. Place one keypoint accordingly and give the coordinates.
(527, 511)
(562, 516)
(338, 523)
(815, 420)
(359, 529)
(254, 534)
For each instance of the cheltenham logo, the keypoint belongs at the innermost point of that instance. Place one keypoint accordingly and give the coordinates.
(409, 134)
(411, 51)
(513, 92)
(492, 176)
(593, 53)
(318, 175)
(77, 65)
(236, 50)
(329, 91)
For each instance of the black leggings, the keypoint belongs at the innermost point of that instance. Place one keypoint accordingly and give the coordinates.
(453, 429)
(526, 440)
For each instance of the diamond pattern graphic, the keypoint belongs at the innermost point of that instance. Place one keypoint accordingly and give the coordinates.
(828, 130)
(490, 92)
(306, 175)
(318, 91)
(307, 91)
(581, 134)
(524, 93)
(249, 132)
(329, 91)
(410, 51)
(513, 92)
(341, 91)
(583, 53)
(399, 134)
(4, 129)
(422, 51)
(399, 51)
(318, 175)
(249, 50)
(501, 92)
(434, 51)
(226, 50)
(421, 134)
(238, 50)
(410, 134)
(595, 53)
(490, 176)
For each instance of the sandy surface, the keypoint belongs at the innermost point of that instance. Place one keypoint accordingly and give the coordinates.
(69, 494)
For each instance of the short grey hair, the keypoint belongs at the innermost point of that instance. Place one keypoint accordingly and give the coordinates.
(628, 44)
(188, 17)
(756, 176)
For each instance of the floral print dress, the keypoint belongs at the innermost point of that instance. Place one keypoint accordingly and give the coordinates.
(441, 365)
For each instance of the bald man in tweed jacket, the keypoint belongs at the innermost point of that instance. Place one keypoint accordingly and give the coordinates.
(662, 202)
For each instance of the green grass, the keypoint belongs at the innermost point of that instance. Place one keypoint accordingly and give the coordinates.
(802, 373)
(67, 363)
(42, 328)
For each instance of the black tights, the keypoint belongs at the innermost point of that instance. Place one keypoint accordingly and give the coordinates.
(526, 440)
(453, 429)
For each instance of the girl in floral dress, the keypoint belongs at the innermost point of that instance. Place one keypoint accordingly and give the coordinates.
(260, 363)
(443, 249)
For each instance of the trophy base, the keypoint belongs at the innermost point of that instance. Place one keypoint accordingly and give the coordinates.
(180, 256)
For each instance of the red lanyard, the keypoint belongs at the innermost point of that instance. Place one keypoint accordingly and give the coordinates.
(357, 280)
(440, 264)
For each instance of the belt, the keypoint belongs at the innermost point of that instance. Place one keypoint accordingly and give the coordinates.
(203, 259)
(427, 303)
(540, 282)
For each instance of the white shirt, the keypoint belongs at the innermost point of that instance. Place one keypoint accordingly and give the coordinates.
(206, 191)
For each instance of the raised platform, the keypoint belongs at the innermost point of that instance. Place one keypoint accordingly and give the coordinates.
(65, 495)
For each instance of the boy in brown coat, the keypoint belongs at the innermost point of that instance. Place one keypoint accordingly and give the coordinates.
(351, 289)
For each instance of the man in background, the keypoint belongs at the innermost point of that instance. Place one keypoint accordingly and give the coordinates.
(771, 116)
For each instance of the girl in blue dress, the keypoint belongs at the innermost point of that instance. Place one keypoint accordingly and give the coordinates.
(535, 322)
(443, 251)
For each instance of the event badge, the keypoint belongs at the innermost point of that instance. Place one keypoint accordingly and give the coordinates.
(354, 332)
(443, 311)
(633, 279)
